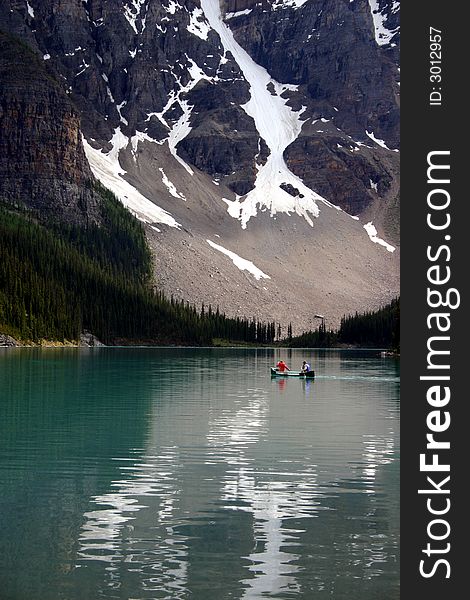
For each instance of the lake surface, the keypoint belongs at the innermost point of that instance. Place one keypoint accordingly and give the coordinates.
(191, 474)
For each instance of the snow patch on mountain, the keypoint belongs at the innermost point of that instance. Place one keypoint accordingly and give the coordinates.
(172, 7)
(280, 4)
(132, 12)
(106, 168)
(181, 128)
(119, 108)
(239, 262)
(198, 25)
(377, 141)
(382, 34)
(141, 136)
(372, 233)
(170, 186)
(278, 124)
(239, 13)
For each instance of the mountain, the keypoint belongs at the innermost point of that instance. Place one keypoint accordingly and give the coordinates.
(255, 140)
(42, 162)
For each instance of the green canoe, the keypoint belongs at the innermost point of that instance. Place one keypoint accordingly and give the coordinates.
(276, 373)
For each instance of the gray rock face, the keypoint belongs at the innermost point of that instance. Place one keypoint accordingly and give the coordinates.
(223, 141)
(340, 173)
(88, 340)
(328, 48)
(123, 63)
(42, 162)
(6, 341)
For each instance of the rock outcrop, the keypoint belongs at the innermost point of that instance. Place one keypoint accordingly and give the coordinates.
(6, 341)
(88, 340)
(42, 162)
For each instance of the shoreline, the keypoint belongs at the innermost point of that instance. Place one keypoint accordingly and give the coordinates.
(74, 346)
(88, 340)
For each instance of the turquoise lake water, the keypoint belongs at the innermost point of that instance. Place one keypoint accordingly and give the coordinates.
(192, 474)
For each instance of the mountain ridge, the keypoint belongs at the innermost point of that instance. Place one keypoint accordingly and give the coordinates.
(165, 122)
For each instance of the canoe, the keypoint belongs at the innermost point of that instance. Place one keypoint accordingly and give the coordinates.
(276, 373)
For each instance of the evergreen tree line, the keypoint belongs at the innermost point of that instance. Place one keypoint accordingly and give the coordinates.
(317, 338)
(57, 281)
(380, 328)
(376, 329)
(239, 329)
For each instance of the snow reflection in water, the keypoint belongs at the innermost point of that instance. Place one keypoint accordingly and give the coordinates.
(275, 496)
(270, 496)
(140, 520)
(150, 484)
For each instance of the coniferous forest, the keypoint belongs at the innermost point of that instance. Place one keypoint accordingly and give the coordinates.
(375, 329)
(379, 328)
(58, 280)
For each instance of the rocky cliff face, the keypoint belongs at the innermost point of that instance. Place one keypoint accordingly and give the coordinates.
(42, 162)
(329, 49)
(204, 116)
(347, 81)
(133, 65)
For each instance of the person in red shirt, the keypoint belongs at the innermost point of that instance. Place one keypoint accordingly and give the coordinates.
(281, 366)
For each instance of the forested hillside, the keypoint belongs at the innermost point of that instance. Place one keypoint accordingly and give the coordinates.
(376, 329)
(57, 281)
